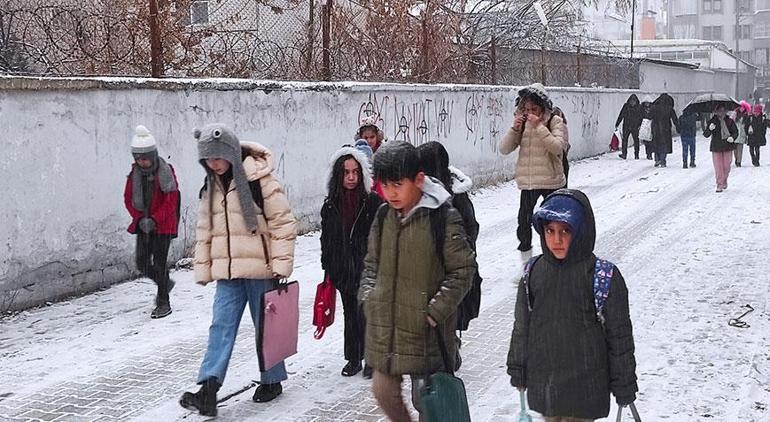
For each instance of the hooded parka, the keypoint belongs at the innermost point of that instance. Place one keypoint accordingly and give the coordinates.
(663, 116)
(630, 114)
(404, 282)
(559, 351)
(225, 248)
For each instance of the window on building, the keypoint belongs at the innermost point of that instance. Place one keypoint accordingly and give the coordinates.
(199, 12)
(707, 6)
(684, 56)
(712, 33)
(744, 32)
(668, 56)
(716, 6)
(744, 6)
(763, 5)
(685, 7)
(761, 56)
(685, 31)
(762, 30)
(700, 55)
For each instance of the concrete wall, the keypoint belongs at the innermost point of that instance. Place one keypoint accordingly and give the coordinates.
(66, 155)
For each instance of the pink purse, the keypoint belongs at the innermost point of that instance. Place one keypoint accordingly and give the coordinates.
(277, 339)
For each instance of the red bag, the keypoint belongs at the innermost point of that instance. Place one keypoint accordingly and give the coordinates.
(615, 142)
(323, 309)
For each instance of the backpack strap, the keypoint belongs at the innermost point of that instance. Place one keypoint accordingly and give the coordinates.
(525, 278)
(256, 193)
(438, 228)
(602, 278)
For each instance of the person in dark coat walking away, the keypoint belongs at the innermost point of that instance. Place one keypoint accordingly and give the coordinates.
(568, 353)
(434, 161)
(244, 241)
(151, 196)
(757, 132)
(687, 125)
(417, 270)
(663, 116)
(631, 116)
(346, 217)
(722, 131)
(645, 129)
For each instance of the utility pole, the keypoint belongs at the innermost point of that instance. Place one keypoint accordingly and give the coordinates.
(633, 20)
(156, 48)
(737, 54)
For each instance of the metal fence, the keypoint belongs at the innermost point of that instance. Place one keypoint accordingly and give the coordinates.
(394, 40)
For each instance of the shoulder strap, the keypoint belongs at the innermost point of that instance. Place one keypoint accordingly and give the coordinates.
(438, 228)
(204, 187)
(256, 193)
(602, 278)
(548, 125)
(382, 212)
(525, 278)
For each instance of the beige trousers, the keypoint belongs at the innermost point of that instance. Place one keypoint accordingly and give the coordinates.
(387, 391)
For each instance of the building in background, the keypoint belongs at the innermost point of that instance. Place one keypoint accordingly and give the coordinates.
(747, 21)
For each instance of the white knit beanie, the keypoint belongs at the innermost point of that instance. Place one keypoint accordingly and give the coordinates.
(143, 141)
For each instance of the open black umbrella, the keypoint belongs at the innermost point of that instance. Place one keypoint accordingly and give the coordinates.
(707, 103)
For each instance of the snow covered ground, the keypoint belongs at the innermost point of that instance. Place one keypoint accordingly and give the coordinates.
(692, 259)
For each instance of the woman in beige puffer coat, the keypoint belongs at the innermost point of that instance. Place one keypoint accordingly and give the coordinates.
(245, 242)
(539, 137)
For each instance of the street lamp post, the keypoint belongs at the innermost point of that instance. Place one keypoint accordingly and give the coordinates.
(633, 19)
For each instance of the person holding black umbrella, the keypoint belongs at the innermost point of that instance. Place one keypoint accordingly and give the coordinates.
(722, 130)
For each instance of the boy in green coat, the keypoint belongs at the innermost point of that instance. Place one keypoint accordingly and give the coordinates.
(412, 281)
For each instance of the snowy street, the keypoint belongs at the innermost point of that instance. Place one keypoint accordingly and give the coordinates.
(692, 258)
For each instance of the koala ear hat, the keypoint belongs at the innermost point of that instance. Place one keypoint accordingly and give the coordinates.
(215, 140)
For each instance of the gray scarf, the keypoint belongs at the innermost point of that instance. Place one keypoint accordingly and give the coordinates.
(723, 126)
(162, 171)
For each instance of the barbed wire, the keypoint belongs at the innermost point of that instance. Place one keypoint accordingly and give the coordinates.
(397, 41)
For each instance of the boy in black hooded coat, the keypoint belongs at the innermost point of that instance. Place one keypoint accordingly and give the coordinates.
(561, 353)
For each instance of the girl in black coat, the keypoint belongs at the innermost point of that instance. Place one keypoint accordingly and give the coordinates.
(346, 217)
(723, 131)
(566, 357)
(663, 116)
(757, 132)
(631, 116)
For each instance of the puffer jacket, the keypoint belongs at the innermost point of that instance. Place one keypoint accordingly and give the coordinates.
(539, 165)
(568, 361)
(225, 248)
(404, 281)
(758, 125)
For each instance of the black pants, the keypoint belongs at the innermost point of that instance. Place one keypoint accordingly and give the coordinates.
(626, 134)
(151, 260)
(754, 151)
(354, 328)
(527, 204)
(565, 166)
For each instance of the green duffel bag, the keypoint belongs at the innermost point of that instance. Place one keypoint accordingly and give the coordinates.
(443, 397)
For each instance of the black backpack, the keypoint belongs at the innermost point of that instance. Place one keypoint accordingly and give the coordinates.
(437, 217)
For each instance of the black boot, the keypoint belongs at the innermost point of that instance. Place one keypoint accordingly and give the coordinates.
(368, 370)
(352, 368)
(204, 401)
(162, 309)
(267, 392)
(623, 156)
(684, 164)
(692, 163)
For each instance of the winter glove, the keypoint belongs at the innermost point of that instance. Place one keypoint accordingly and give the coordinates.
(730, 140)
(625, 400)
(147, 225)
(712, 126)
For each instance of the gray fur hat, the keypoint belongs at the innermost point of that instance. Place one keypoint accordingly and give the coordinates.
(537, 93)
(216, 140)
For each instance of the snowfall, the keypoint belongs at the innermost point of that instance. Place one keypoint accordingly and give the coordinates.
(693, 259)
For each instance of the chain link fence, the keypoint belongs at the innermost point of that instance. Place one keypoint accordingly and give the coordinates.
(364, 40)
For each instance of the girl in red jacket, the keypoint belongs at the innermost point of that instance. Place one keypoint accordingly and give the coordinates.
(152, 198)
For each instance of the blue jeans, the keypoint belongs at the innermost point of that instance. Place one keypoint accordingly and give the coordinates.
(229, 302)
(688, 146)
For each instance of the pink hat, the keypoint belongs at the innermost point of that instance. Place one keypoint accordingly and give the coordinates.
(745, 107)
(758, 108)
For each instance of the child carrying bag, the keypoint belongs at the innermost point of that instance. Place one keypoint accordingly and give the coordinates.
(277, 338)
(443, 398)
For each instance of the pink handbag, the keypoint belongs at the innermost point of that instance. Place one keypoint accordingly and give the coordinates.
(277, 338)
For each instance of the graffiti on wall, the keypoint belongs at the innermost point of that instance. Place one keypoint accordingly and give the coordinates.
(431, 119)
